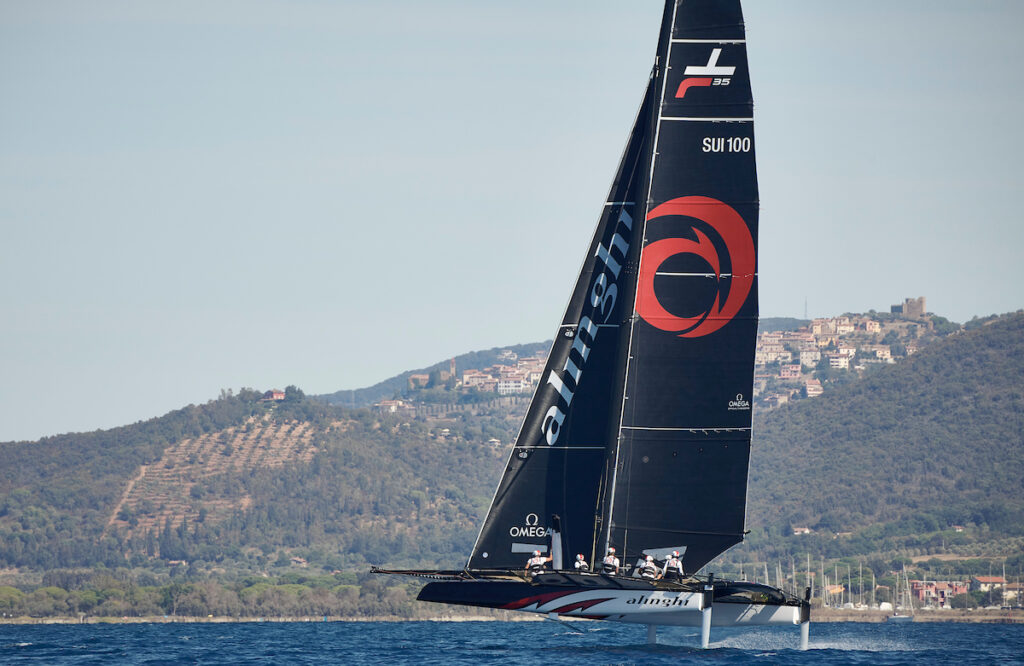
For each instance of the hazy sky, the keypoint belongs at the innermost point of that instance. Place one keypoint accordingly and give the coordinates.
(203, 195)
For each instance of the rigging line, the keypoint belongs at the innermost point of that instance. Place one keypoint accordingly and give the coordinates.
(659, 99)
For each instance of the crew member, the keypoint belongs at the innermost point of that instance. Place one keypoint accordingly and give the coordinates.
(649, 569)
(536, 563)
(610, 563)
(581, 564)
(673, 569)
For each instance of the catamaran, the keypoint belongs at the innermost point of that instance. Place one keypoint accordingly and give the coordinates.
(638, 436)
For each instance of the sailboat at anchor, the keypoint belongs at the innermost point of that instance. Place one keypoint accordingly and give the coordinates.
(638, 437)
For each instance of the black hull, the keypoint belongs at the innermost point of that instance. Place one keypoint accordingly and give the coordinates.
(618, 599)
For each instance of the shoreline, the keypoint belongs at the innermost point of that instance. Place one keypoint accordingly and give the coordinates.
(829, 615)
(959, 616)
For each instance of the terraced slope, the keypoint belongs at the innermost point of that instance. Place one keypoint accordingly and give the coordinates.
(168, 490)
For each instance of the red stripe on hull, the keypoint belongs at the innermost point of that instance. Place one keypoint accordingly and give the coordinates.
(539, 599)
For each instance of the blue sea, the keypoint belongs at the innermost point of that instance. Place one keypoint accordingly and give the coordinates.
(545, 643)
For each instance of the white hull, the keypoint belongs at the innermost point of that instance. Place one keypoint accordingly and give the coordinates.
(661, 608)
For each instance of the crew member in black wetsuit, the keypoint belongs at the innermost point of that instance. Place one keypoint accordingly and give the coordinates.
(673, 569)
(581, 564)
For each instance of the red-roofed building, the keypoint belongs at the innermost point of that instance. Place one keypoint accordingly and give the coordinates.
(986, 583)
(937, 592)
(790, 371)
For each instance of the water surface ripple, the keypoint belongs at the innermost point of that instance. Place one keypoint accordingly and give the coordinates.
(503, 643)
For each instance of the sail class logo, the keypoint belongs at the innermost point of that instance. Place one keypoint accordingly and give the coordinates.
(711, 74)
(739, 245)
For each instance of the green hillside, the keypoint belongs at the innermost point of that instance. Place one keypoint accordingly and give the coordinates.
(338, 488)
(882, 467)
(899, 457)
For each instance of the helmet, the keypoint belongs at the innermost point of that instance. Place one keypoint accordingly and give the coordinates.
(536, 553)
(650, 558)
(675, 553)
(611, 551)
(579, 556)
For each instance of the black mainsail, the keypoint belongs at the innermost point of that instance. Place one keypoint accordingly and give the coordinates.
(639, 434)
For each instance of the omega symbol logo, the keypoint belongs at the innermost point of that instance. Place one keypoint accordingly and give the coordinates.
(739, 403)
(530, 528)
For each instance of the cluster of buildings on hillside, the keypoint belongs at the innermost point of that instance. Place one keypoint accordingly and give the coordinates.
(785, 361)
(938, 594)
(512, 374)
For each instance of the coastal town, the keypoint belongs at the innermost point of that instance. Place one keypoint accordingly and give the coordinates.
(789, 365)
(913, 595)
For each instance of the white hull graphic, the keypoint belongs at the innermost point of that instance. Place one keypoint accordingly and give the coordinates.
(661, 608)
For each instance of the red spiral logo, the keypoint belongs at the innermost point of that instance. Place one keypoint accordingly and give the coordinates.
(739, 246)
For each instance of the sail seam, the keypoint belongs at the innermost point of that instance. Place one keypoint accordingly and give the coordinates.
(709, 41)
(659, 529)
(687, 429)
(566, 448)
(706, 119)
(699, 274)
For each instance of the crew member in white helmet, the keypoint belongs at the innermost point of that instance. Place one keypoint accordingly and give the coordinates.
(536, 563)
(649, 569)
(673, 569)
(581, 564)
(610, 563)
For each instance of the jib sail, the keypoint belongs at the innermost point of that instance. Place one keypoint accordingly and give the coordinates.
(552, 478)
